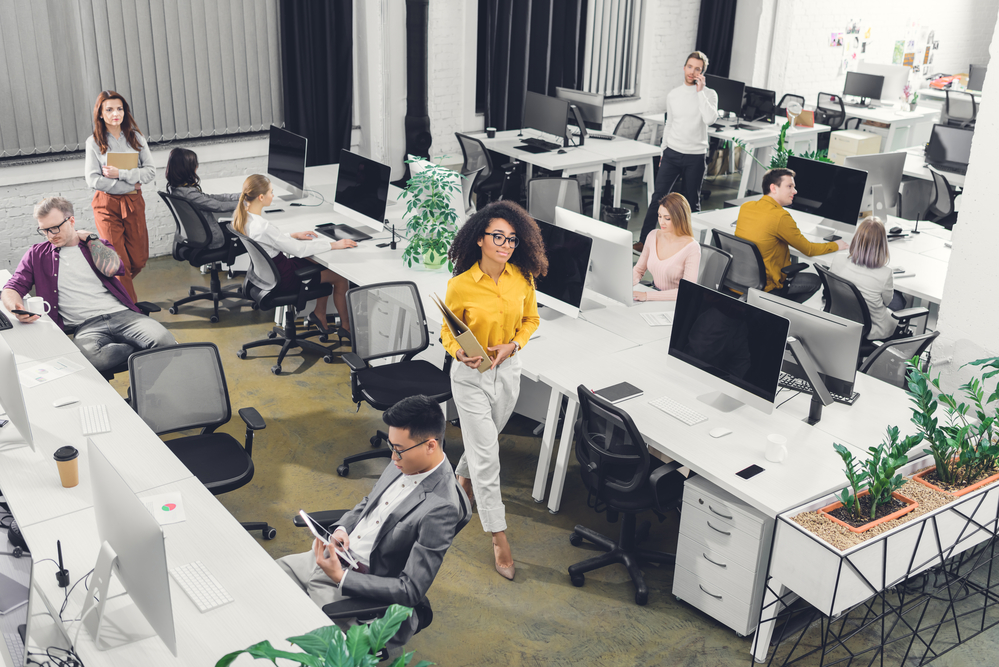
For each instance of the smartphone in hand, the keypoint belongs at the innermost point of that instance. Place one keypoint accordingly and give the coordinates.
(18, 311)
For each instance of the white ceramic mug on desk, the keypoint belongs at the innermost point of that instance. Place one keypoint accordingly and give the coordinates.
(37, 305)
(776, 448)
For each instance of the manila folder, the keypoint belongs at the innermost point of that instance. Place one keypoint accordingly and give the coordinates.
(123, 161)
(469, 343)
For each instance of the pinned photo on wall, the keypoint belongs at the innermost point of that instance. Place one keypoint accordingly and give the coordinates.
(836, 39)
(898, 53)
(853, 27)
(909, 59)
(926, 55)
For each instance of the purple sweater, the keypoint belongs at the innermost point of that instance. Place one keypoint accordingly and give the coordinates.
(40, 268)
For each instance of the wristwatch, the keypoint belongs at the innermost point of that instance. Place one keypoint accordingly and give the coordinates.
(516, 346)
(93, 237)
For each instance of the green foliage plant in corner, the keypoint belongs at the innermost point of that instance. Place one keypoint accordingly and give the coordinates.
(782, 151)
(856, 476)
(329, 647)
(881, 467)
(431, 222)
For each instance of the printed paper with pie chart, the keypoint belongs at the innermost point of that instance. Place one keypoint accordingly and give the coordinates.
(166, 507)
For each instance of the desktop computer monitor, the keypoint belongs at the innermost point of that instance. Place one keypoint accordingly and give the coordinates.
(895, 78)
(829, 190)
(949, 147)
(610, 267)
(286, 160)
(832, 341)
(976, 77)
(546, 114)
(17, 433)
(568, 257)
(759, 105)
(865, 86)
(362, 187)
(733, 347)
(133, 549)
(884, 170)
(729, 92)
(590, 105)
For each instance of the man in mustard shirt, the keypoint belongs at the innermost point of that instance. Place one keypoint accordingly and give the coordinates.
(772, 229)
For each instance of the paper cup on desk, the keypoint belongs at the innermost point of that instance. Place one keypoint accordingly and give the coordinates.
(491, 132)
(68, 461)
(776, 448)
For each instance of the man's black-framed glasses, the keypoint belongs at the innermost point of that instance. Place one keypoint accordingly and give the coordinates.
(52, 231)
(499, 239)
(399, 452)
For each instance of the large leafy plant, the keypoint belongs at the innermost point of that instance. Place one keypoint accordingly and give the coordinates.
(877, 474)
(329, 647)
(431, 222)
(782, 151)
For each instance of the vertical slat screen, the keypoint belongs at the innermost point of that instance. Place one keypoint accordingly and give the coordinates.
(611, 46)
(188, 68)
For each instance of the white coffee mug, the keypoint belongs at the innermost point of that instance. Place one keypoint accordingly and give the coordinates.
(37, 305)
(776, 448)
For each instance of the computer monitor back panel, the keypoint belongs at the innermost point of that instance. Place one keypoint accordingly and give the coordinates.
(949, 146)
(758, 105)
(12, 403)
(832, 341)
(884, 170)
(590, 105)
(895, 78)
(865, 86)
(568, 258)
(733, 347)
(286, 154)
(546, 114)
(362, 188)
(729, 92)
(828, 190)
(976, 77)
(610, 268)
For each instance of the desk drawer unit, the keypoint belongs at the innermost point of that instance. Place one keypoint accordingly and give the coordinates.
(721, 555)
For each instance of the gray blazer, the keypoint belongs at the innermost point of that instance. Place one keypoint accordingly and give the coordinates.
(411, 544)
(225, 203)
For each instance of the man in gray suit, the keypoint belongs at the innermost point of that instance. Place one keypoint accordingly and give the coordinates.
(401, 530)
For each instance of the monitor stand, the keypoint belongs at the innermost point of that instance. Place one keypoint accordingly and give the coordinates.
(720, 401)
(115, 621)
(296, 195)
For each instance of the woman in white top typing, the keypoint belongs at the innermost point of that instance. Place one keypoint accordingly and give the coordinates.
(289, 251)
(867, 268)
(670, 252)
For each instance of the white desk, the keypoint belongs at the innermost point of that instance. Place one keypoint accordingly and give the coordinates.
(625, 153)
(904, 127)
(915, 167)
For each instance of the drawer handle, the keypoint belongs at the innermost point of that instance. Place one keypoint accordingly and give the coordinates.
(714, 562)
(716, 530)
(724, 516)
(717, 597)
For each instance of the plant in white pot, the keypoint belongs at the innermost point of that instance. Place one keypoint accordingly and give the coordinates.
(431, 221)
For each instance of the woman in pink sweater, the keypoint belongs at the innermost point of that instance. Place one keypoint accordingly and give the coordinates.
(670, 252)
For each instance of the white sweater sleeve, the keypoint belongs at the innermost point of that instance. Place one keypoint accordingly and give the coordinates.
(707, 104)
(266, 235)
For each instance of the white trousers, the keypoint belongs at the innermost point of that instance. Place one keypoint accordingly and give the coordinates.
(485, 402)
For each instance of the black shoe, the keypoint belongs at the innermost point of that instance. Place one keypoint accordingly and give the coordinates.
(312, 319)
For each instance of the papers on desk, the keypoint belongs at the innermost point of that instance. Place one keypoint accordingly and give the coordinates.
(166, 507)
(657, 319)
(32, 376)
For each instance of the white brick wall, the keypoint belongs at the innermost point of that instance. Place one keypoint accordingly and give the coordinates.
(450, 51)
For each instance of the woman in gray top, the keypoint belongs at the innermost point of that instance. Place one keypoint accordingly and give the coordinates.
(183, 181)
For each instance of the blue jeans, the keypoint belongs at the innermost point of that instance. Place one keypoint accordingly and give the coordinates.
(108, 340)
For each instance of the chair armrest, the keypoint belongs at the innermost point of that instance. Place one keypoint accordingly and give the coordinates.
(647, 283)
(148, 307)
(660, 483)
(252, 419)
(910, 313)
(360, 608)
(353, 361)
(305, 272)
(793, 269)
(326, 518)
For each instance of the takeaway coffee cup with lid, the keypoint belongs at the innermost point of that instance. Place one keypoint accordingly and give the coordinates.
(491, 132)
(67, 460)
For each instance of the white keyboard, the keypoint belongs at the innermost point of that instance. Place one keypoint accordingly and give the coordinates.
(94, 419)
(201, 586)
(678, 410)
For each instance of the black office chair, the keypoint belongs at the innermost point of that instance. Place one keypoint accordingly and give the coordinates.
(485, 187)
(467, 184)
(960, 109)
(785, 102)
(714, 266)
(829, 110)
(747, 268)
(942, 209)
(629, 126)
(888, 361)
(190, 244)
(544, 194)
(183, 387)
(387, 320)
(621, 477)
(843, 298)
(261, 285)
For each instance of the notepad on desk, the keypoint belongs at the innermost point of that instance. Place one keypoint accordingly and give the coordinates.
(619, 392)
(657, 319)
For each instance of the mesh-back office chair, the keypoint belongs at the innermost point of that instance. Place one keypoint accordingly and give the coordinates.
(183, 387)
(829, 110)
(485, 188)
(960, 109)
(190, 244)
(544, 194)
(628, 127)
(261, 285)
(747, 268)
(621, 477)
(785, 102)
(942, 210)
(713, 267)
(467, 184)
(887, 362)
(387, 320)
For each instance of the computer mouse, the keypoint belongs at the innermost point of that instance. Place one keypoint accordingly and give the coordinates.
(64, 401)
(561, 151)
(719, 432)
(895, 230)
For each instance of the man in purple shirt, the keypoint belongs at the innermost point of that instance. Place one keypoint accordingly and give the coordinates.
(75, 273)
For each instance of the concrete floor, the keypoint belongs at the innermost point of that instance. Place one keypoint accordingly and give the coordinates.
(480, 618)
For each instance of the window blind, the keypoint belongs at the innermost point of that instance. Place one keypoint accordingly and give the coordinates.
(610, 56)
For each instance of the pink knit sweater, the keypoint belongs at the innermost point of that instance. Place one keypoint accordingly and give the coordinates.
(666, 273)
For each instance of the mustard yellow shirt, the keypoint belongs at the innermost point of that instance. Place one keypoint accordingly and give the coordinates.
(772, 229)
(497, 313)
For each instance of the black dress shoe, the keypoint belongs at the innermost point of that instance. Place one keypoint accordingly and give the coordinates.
(312, 319)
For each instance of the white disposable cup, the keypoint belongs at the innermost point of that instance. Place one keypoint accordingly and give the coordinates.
(776, 448)
(37, 305)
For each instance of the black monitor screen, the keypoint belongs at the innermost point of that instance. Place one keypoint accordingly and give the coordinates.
(286, 157)
(362, 185)
(546, 114)
(759, 104)
(976, 77)
(949, 145)
(827, 189)
(863, 85)
(590, 105)
(568, 259)
(729, 92)
(729, 339)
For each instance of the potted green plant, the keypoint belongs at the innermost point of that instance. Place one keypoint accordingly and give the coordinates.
(329, 647)
(911, 95)
(782, 151)
(431, 222)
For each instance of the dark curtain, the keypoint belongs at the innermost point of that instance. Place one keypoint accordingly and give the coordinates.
(715, 30)
(316, 62)
(545, 33)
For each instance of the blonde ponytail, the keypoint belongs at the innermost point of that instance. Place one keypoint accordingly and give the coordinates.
(254, 186)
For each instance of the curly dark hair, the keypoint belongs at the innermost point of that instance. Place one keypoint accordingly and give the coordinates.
(529, 256)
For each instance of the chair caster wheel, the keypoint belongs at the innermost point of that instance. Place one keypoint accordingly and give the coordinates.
(323, 338)
(254, 306)
(276, 369)
(343, 470)
(575, 540)
(272, 334)
(641, 598)
(270, 533)
(172, 310)
(328, 358)
(214, 319)
(577, 580)
(241, 354)
(375, 441)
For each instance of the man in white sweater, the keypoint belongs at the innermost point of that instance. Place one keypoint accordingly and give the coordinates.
(690, 109)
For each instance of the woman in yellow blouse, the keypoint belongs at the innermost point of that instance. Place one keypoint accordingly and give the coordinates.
(497, 254)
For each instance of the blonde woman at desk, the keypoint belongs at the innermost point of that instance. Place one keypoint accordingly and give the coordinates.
(290, 251)
(497, 255)
(670, 252)
(867, 268)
